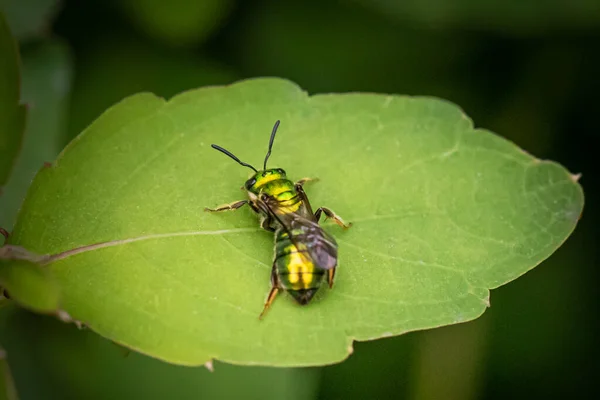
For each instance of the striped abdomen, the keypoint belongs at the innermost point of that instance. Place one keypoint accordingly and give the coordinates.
(294, 268)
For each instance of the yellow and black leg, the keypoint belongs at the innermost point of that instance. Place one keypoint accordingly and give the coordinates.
(330, 276)
(330, 214)
(272, 292)
(227, 207)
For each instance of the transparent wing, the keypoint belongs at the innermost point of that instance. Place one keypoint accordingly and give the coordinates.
(305, 233)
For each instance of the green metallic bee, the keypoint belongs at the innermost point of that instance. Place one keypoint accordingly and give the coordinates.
(304, 252)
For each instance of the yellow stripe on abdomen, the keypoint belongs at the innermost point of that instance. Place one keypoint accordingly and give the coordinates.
(298, 271)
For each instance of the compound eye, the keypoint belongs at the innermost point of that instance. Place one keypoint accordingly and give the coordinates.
(250, 183)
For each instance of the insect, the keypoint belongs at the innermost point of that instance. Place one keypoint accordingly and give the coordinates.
(305, 255)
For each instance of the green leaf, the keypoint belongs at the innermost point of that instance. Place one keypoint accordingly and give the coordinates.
(442, 212)
(179, 22)
(30, 285)
(12, 114)
(46, 86)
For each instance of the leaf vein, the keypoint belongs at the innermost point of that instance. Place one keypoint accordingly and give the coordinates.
(121, 242)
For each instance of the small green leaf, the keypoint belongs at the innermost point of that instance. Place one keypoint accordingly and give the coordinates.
(29, 283)
(46, 86)
(179, 22)
(442, 212)
(12, 114)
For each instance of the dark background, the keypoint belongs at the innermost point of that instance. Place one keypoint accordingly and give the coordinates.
(528, 70)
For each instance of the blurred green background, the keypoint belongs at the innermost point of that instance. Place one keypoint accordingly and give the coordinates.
(526, 69)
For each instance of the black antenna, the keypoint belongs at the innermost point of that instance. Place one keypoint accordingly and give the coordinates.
(226, 152)
(271, 143)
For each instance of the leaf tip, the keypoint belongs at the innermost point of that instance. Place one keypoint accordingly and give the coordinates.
(209, 366)
(350, 348)
(486, 302)
(66, 318)
(575, 177)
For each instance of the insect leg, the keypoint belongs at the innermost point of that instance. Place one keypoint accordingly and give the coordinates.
(272, 293)
(269, 301)
(303, 196)
(330, 214)
(302, 181)
(227, 207)
(265, 223)
(330, 276)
